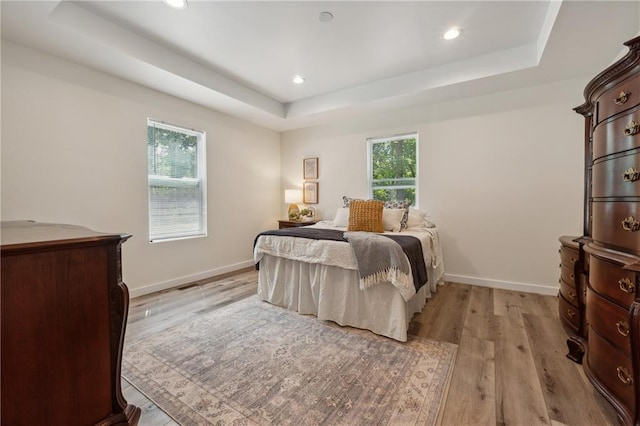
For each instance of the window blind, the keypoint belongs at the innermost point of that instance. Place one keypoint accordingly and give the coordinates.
(176, 179)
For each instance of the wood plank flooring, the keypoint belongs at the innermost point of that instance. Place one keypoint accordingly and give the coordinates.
(510, 369)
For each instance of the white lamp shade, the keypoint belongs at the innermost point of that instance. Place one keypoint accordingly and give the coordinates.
(292, 196)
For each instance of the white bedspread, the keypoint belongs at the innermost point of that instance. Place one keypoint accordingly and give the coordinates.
(320, 277)
(340, 254)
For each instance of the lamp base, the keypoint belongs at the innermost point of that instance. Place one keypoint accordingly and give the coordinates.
(294, 211)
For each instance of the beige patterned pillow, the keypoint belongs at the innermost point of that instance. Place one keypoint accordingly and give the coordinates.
(365, 216)
(346, 200)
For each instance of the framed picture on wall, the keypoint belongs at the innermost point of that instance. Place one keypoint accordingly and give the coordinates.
(310, 190)
(310, 167)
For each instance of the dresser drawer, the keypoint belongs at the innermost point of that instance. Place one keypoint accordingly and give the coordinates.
(568, 312)
(610, 280)
(569, 293)
(609, 320)
(617, 135)
(617, 223)
(568, 275)
(621, 97)
(612, 369)
(619, 177)
(568, 256)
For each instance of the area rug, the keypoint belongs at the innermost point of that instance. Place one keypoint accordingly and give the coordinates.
(254, 363)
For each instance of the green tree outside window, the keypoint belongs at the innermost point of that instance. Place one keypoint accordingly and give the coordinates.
(393, 168)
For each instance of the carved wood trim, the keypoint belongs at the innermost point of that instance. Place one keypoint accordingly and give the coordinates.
(118, 312)
(634, 332)
(608, 76)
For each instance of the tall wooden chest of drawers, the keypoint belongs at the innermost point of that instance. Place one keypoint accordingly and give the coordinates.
(63, 316)
(609, 250)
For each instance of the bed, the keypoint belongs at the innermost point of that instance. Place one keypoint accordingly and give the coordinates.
(321, 278)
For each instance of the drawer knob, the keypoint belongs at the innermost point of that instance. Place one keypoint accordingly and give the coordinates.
(631, 175)
(571, 313)
(622, 98)
(623, 328)
(626, 285)
(631, 129)
(624, 376)
(572, 295)
(630, 224)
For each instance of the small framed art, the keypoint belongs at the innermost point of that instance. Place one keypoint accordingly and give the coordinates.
(310, 190)
(310, 167)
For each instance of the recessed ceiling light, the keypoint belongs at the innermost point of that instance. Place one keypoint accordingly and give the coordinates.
(452, 33)
(298, 79)
(325, 17)
(176, 4)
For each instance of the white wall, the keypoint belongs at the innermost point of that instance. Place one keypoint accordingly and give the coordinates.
(502, 176)
(74, 151)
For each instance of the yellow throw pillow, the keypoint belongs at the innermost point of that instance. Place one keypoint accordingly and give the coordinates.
(366, 216)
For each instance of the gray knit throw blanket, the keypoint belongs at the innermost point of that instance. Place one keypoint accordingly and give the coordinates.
(380, 259)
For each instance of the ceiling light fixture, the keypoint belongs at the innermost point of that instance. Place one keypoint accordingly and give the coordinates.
(176, 4)
(298, 79)
(452, 33)
(325, 17)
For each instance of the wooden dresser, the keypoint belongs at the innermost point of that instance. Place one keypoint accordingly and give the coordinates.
(609, 250)
(63, 315)
(572, 294)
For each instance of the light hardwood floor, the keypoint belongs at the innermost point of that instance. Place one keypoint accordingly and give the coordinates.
(510, 369)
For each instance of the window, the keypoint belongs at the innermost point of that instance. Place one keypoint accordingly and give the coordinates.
(393, 168)
(176, 171)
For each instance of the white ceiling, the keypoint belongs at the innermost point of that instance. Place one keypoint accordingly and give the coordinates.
(239, 56)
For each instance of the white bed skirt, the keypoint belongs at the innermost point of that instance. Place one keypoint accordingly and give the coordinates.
(332, 293)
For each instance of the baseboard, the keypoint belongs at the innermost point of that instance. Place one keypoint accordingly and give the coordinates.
(462, 279)
(177, 282)
(504, 285)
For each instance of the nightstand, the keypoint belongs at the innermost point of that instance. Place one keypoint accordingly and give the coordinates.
(294, 224)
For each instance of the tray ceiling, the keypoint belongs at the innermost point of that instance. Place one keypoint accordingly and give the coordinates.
(240, 57)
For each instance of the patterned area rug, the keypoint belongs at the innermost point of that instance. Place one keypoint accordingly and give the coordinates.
(254, 363)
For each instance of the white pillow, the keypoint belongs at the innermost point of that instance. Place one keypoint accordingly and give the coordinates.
(342, 217)
(415, 218)
(392, 218)
(419, 219)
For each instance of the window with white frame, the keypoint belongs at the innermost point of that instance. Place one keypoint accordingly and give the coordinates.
(393, 168)
(176, 172)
